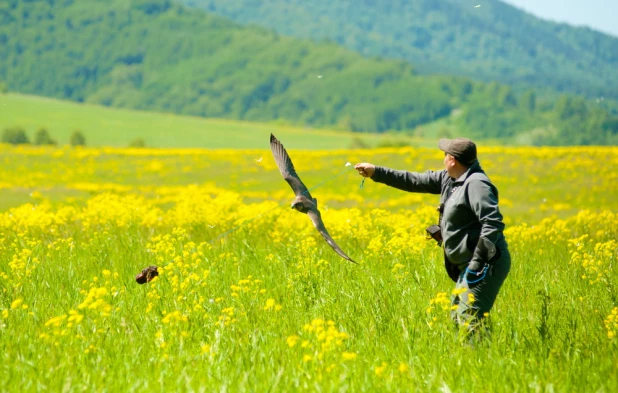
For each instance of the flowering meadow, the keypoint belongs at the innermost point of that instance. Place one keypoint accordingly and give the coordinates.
(251, 298)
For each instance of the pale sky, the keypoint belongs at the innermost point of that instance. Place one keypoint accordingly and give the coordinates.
(600, 15)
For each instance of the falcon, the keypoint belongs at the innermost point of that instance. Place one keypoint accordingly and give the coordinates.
(147, 275)
(304, 202)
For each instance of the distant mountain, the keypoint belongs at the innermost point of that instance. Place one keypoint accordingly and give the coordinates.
(492, 42)
(159, 55)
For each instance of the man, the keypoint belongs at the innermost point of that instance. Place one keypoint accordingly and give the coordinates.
(475, 250)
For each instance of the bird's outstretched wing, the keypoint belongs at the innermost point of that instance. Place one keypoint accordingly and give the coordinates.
(287, 168)
(319, 225)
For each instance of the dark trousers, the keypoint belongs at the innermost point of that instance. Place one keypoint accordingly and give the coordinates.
(474, 297)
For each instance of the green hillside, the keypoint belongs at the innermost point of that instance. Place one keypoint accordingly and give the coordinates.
(104, 126)
(159, 56)
(492, 42)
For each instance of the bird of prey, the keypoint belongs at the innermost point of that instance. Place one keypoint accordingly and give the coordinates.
(147, 275)
(304, 202)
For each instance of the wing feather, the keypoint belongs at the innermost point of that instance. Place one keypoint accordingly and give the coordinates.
(287, 168)
(319, 225)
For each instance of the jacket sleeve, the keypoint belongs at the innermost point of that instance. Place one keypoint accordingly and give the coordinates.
(483, 199)
(427, 182)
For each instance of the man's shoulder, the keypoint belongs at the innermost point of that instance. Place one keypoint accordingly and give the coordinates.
(479, 181)
(478, 177)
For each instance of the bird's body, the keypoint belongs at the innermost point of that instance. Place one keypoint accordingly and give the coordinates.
(303, 202)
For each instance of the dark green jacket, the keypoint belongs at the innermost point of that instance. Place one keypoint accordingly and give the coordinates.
(470, 210)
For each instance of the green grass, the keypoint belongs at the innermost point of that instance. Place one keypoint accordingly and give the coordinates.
(72, 317)
(105, 126)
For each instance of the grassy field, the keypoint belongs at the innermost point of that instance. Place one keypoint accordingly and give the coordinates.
(105, 126)
(250, 297)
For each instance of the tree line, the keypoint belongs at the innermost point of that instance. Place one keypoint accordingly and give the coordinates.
(17, 136)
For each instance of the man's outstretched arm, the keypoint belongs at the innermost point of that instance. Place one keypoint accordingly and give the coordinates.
(426, 182)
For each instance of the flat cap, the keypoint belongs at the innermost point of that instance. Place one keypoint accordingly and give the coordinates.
(463, 149)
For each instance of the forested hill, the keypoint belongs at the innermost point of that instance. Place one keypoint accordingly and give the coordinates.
(158, 55)
(492, 42)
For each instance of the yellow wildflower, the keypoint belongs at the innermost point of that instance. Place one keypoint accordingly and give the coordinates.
(349, 355)
(175, 317)
(270, 303)
(380, 370)
(292, 340)
(16, 303)
(611, 323)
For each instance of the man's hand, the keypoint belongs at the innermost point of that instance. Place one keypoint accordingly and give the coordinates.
(365, 169)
